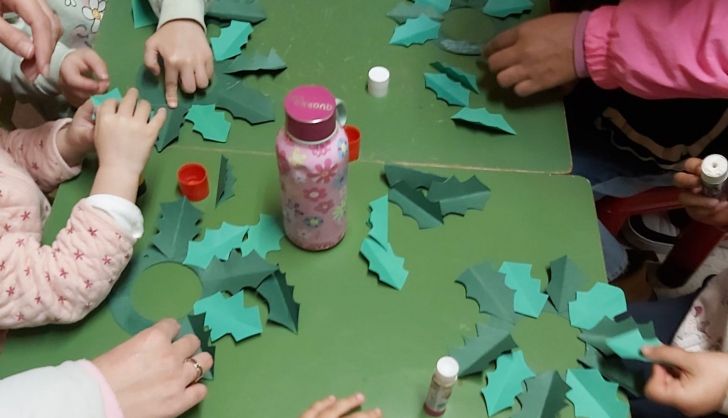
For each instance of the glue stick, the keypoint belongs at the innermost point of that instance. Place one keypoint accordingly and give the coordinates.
(443, 380)
(713, 174)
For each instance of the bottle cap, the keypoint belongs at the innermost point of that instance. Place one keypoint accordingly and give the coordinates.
(714, 169)
(310, 113)
(192, 179)
(354, 136)
(378, 84)
(448, 369)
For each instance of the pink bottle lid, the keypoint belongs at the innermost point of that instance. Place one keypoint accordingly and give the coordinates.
(310, 113)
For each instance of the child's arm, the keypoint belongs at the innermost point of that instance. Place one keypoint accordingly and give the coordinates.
(707, 210)
(181, 44)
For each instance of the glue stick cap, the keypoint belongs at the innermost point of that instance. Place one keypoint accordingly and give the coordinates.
(192, 179)
(714, 169)
(447, 370)
(378, 84)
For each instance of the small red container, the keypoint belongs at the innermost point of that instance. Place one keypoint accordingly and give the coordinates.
(354, 136)
(192, 178)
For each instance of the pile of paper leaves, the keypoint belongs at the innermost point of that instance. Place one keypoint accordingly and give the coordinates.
(227, 261)
(599, 312)
(227, 90)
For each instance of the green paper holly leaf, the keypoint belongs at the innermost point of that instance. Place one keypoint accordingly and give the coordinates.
(195, 324)
(465, 79)
(629, 345)
(481, 117)
(236, 273)
(278, 294)
(416, 31)
(379, 220)
(406, 10)
(229, 316)
(506, 381)
(263, 237)
(231, 40)
(487, 287)
(593, 396)
(612, 368)
(414, 178)
(458, 197)
(170, 130)
(566, 279)
(493, 339)
(176, 227)
(602, 300)
(384, 263)
(216, 243)
(544, 396)
(607, 328)
(243, 10)
(414, 204)
(505, 8)
(225, 182)
(447, 90)
(243, 102)
(441, 6)
(251, 62)
(209, 123)
(528, 299)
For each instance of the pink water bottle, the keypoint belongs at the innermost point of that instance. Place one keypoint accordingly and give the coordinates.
(313, 156)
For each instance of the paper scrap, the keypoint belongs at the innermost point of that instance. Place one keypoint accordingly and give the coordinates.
(250, 62)
(278, 294)
(99, 99)
(505, 8)
(629, 345)
(493, 339)
(458, 197)
(405, 10)
(481, 117)
(216, 243)
(263, 237)
(528, 299)
(506, 381)
(565, 280)
(447, 90)
(602, 300)
(176, 227)
(415, 178)
(225, 182)
(416, 31)
(229, 316)
(414, 204)
(487, 287)
(379, 220)
(441, 6)
(544, 396)
(209, 123)
(232, 38)
(384, 263)
(236, 273)
(593, 396)
(243, 10)
(465, 79)
(142, 14)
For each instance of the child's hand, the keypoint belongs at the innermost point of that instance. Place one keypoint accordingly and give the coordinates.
(124, 137)
(185, 54)
(333, 408)
(694, 383)
(77, 139)
(152, 376)
(536, 55)
(703, 209)
(83, 74)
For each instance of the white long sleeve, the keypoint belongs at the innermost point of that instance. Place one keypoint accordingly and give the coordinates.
(169, 10)
(125, 213)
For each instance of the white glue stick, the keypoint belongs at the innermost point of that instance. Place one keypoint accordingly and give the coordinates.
(443, 380)
(713, 174)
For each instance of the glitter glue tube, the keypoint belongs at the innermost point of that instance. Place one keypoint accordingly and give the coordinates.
(713, 174)
(443, 380)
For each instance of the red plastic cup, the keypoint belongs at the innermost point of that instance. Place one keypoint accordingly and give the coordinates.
(192, 179)
(354, 137)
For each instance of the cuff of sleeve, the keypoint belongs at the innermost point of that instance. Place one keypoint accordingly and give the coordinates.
(126, 214)
(112, 409)
(579, 31)
(50, 85)
(182, 9)
(597, 37)
(66, 171)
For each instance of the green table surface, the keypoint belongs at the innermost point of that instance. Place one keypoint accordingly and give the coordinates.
(355, 334)
(334, 43)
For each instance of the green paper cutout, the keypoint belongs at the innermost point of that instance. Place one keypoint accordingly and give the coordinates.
(544, 396)
(384, 263)
(209, 123)
(471, 4)
(278, 294)
(566, 278)
(493, 339)
(505, 382)
(177, 226)
(243, 10)
(415, 31)
(142, 14)
(195, 324)
(629, 345)
(250, 62)
(460, 47)
(487, 287)
(231, 40)
(597, 337)
(456, 197)
(505, 8)
(449, 91)
(602, 300)
(441, 6)
(415, 178)
(229, 316)
(99, 99)
(243, 102)
(612, 368)
(528, 299)
(379, 220)
(171, 127)
(236, 273)
(406, 10)
(217, 243)
(263, 237)
(465, 79)
(225, 182)
(593, 396)
(414, 204)
(481, 117)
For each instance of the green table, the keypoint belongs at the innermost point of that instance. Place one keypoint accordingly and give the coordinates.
(335, 43)
(355, 334)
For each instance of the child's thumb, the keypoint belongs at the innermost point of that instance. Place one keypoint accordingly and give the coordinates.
(667, 355)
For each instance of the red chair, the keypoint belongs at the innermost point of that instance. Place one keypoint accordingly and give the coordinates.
(696, 241)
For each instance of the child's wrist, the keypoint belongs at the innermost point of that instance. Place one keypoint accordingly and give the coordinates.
(72, 154)
(116, 180)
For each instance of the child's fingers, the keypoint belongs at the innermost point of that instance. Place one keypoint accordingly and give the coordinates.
(74, 77)
(318, 407)
(96, 64)
(158, 119)
(203, 80)
(668, 355)
(107, 107)
(85, 111)
(504, 40)
(698, 201)
(658, 388)
(151, 58)
(372, 413)
(343, 406)
(527, 88)
(171, 76)
(128, 103)
(503, 59)
(143, 109)
(16, 40)
(209, 67)
(187, 76)
(686, 181)
(512, 76)
(193, 395)
(692, 165)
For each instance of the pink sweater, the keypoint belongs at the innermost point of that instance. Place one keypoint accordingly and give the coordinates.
(63, 281)
(658, 49)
